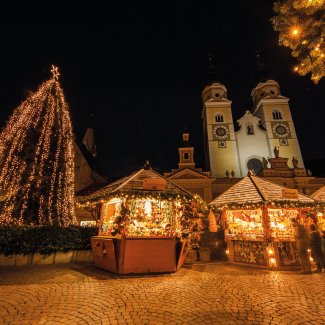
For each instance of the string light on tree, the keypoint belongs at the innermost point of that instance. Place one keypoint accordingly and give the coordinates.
(37, 160)
(55, 72)
(301, 27)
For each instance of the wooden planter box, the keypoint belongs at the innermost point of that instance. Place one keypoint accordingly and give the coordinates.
(138, 254)
(82, 256)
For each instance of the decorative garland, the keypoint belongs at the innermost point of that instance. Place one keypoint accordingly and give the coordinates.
(276, 204)
(86, 201)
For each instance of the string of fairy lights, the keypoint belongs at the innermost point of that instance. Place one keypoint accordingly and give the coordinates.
(301, 27)
(37, 160)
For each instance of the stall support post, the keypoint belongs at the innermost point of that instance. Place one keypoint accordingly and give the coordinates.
(102, 218)
(121, 254)
(269, 253)
(230, 250)
(230, 247)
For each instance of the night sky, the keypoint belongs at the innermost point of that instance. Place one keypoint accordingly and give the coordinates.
(140, 69)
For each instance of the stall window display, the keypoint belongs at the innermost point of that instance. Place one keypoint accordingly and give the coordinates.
(280, 222)
(251, 252)
(244, 224)
(287, 253)
(141, 217)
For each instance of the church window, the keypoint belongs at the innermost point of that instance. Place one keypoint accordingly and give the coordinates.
(255, 165)
(219, 118)
(277, 115)
(250, 129)
(185, 156)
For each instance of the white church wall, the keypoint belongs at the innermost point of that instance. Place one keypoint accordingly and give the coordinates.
(251, 145)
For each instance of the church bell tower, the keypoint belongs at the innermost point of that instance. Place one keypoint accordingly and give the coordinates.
(274, 112)
(218, 129)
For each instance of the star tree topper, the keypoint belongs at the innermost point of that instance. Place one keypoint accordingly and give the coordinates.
(55, 72)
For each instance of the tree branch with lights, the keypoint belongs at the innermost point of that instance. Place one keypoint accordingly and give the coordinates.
(301, 27)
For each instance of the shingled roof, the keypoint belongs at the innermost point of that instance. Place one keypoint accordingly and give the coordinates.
(319, 194)
(135, 182)
(253, 189)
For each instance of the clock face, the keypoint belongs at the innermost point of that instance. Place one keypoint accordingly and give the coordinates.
(281, 130)
(221, 132)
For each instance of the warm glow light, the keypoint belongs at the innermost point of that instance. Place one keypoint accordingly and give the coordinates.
(295, 31)
(227, 251)
(272, 261)
(270, 251)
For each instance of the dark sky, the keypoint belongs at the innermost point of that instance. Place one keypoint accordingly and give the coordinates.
(140, 67)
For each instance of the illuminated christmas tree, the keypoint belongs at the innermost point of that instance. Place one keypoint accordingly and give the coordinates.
(301, 26)
(37, 160)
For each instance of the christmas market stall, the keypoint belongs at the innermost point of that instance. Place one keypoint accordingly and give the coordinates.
(146, 224)
(319, 196)
(257, 218)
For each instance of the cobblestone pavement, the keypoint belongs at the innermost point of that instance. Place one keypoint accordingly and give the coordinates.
(206, 294)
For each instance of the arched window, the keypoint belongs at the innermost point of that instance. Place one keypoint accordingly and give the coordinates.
(219, 118)
(255, 165)
(249, 129)
(185, 156)
(277, 115)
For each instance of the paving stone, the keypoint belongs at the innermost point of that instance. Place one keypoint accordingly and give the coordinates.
(205, 294)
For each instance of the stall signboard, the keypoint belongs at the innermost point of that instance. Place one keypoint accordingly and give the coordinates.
(290, 194)
(157, 184)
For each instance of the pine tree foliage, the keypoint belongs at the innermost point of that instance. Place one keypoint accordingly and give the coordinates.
(37, 161)
(301, 27)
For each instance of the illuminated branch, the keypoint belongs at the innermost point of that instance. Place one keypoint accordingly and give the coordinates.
(301, 27)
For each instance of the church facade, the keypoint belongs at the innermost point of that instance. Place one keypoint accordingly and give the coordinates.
(265, 143)
(267, 128)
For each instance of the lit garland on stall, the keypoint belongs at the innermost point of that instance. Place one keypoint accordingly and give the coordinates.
(276, 203)
(94, 200)
(37, 160)
(301, 27)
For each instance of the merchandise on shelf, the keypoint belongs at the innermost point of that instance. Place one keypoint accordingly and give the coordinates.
(143, 217)
(280, 222)
(244, 224)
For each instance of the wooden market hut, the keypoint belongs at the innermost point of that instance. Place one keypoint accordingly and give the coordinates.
(256, 216)
(319, 196)
(144, 224)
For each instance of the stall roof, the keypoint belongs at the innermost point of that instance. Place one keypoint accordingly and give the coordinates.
(253, 189)
(136, 182)
(319, 194)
